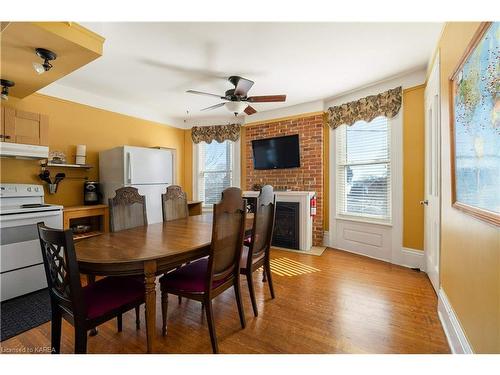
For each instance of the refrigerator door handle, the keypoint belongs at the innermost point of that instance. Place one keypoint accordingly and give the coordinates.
(129, 168)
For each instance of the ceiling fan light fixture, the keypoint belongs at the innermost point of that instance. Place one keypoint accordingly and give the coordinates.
(6, 84)
(47, 57)
(235, 107)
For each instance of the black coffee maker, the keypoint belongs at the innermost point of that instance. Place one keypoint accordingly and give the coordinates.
(91, 193)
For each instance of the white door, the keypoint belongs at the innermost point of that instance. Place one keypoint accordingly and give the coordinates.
(148, 166)
(432, 175)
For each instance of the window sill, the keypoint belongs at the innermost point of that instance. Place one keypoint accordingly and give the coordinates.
(363, 220)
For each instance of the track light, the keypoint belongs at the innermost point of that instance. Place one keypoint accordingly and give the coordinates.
(6, 84)
(47, 56)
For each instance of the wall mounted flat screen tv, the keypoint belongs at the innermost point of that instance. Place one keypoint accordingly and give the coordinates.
(276, 153)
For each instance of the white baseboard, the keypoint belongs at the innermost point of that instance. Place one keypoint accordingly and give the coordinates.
(411, 258)
(361, 253)
(454, 333)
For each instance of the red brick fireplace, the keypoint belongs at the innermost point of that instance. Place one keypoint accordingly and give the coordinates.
(308, 177)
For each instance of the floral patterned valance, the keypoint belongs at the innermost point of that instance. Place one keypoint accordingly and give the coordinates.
(219, 133)
(385, 104)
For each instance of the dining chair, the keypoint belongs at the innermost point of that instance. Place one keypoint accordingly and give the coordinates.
(206, 278)
(174, 204)
(127, 209)
(256, 249)
(83, 307)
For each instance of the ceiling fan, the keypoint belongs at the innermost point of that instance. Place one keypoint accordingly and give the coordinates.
(237, 99)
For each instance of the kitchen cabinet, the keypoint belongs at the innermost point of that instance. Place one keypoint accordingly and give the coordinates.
(24, 127)
(95, 218)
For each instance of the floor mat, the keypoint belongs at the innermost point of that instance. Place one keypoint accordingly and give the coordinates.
(23, 313)
(315, 250)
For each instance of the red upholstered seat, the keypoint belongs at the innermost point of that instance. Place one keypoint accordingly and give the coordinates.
(112, 293)
(244, 257)
(189, 278)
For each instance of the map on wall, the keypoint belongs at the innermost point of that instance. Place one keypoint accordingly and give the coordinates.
(476, 125)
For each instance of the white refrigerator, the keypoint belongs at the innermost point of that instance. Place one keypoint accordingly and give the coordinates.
(150, 170)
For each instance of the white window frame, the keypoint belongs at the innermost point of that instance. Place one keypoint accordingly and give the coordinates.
(365, 217)
(236, 173)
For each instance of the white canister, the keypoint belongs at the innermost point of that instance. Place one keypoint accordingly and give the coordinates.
(81, 153)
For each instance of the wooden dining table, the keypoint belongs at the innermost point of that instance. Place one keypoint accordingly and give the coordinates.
(148, 251)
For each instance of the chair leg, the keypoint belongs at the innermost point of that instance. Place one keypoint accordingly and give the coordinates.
(55, 330)
(119, 321)
(93, 332)
(80, 340)
(211, 326)
(267, 269)
(164, 310)
(180, 299)
(264, 274)
(138, 317)
(252, 292)
(239, 301)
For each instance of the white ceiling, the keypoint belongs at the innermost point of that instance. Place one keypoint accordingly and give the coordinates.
(147, 67)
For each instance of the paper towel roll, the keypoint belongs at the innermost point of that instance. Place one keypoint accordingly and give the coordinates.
(80, 160)
(81, 152)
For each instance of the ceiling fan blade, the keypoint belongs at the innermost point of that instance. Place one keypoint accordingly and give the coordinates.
(250, 110)
(266, 98)
(212, 107)
(204, 93)
(242, 85)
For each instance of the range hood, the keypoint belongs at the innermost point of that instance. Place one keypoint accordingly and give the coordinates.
(22, 151)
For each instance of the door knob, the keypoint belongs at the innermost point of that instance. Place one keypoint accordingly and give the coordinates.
(426, 202)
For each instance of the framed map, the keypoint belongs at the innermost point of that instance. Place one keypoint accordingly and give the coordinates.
(475, 127)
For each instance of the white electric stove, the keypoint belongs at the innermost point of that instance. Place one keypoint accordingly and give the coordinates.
(21, 266)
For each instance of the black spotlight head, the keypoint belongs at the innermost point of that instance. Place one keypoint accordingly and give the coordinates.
(6, 84)
(47, 56)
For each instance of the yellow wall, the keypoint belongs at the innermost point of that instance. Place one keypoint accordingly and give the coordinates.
(71, 124)
(413, 167)
(470, 248)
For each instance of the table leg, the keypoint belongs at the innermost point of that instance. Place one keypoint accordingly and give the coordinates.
(150, 285)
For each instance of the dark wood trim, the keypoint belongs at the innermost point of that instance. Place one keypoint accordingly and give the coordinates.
(481, 214)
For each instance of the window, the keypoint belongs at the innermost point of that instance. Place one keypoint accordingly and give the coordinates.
(216, 170)
(364, 170)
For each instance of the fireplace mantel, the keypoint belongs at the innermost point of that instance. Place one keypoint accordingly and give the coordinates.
(305, 219)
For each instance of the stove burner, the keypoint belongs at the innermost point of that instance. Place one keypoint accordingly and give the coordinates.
(34, 205)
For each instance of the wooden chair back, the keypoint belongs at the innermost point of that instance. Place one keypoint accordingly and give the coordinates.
(174, 203)
(127, 209)
(263, 224)
(61, 270)
(227, 235)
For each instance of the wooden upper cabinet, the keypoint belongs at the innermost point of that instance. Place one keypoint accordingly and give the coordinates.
(24, 127)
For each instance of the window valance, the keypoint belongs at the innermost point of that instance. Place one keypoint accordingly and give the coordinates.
(385, 104)
(219, 133)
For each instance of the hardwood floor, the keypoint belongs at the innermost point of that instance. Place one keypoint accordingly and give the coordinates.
(353, 304)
